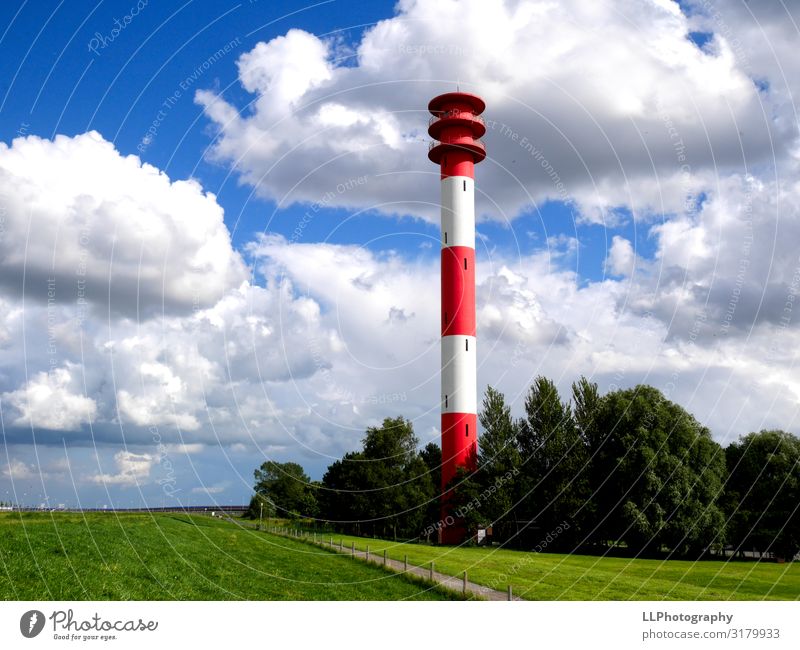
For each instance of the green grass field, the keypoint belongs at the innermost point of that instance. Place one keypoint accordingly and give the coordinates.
(549, 576)
(103, 556)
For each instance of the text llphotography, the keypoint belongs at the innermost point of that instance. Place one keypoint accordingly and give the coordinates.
(392, 324)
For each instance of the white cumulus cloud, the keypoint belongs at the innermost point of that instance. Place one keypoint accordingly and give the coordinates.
(603, 104)
(51, 400)
(132, 469)
(83, 222)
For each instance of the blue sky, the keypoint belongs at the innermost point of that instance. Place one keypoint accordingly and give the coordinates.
(639, 179)
(54, 84)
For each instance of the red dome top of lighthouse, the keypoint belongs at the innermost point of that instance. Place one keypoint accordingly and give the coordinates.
(457, 127)
(441, 102)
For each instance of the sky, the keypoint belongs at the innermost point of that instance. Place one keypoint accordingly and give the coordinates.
(219, 225)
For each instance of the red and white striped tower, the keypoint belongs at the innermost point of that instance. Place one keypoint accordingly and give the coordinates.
(456, 128)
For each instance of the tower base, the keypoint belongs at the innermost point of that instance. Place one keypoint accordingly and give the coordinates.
(459, 450)
(453, 535)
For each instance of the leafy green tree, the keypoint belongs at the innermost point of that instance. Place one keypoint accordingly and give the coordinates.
(431, 455)
(260, 506)
(288, 488)
(498, 462)
(586, 401)
(397, 478)
(763, 492)
(555, 470)
(343, 502)
(385, 489)
(657, 474)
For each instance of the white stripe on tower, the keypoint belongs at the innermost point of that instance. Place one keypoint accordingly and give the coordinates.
(459, 375)
(458, 211)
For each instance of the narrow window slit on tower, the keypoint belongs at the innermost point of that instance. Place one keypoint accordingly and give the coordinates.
(445, 238)
(466, 430)
(445, 318)
(445, 401)
(465, 263)
(465, 186)
(466, 344)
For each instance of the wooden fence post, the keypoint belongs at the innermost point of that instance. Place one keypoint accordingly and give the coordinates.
(464, 586)
(510, 595)
(405, 563)
(367, 552)
(384, 557)
(431, 574)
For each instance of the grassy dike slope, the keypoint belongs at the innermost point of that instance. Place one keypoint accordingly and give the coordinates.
(107, 556)
(551, 576)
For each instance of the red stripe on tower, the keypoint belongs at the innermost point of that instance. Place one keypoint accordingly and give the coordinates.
(456, 127)
(458, 290)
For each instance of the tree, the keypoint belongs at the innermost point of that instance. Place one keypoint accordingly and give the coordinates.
(260, 506)
(431, 455)
(385, 489)
(397, 478)
(498, 464)
(657, 474)
(586, 400)
(763, 492)
(288, 488)
(554, 459)
(342, 499)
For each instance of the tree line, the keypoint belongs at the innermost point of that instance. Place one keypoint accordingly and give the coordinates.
(629, 471)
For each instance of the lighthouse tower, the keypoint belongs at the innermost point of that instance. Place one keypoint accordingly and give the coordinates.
(456, 128)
